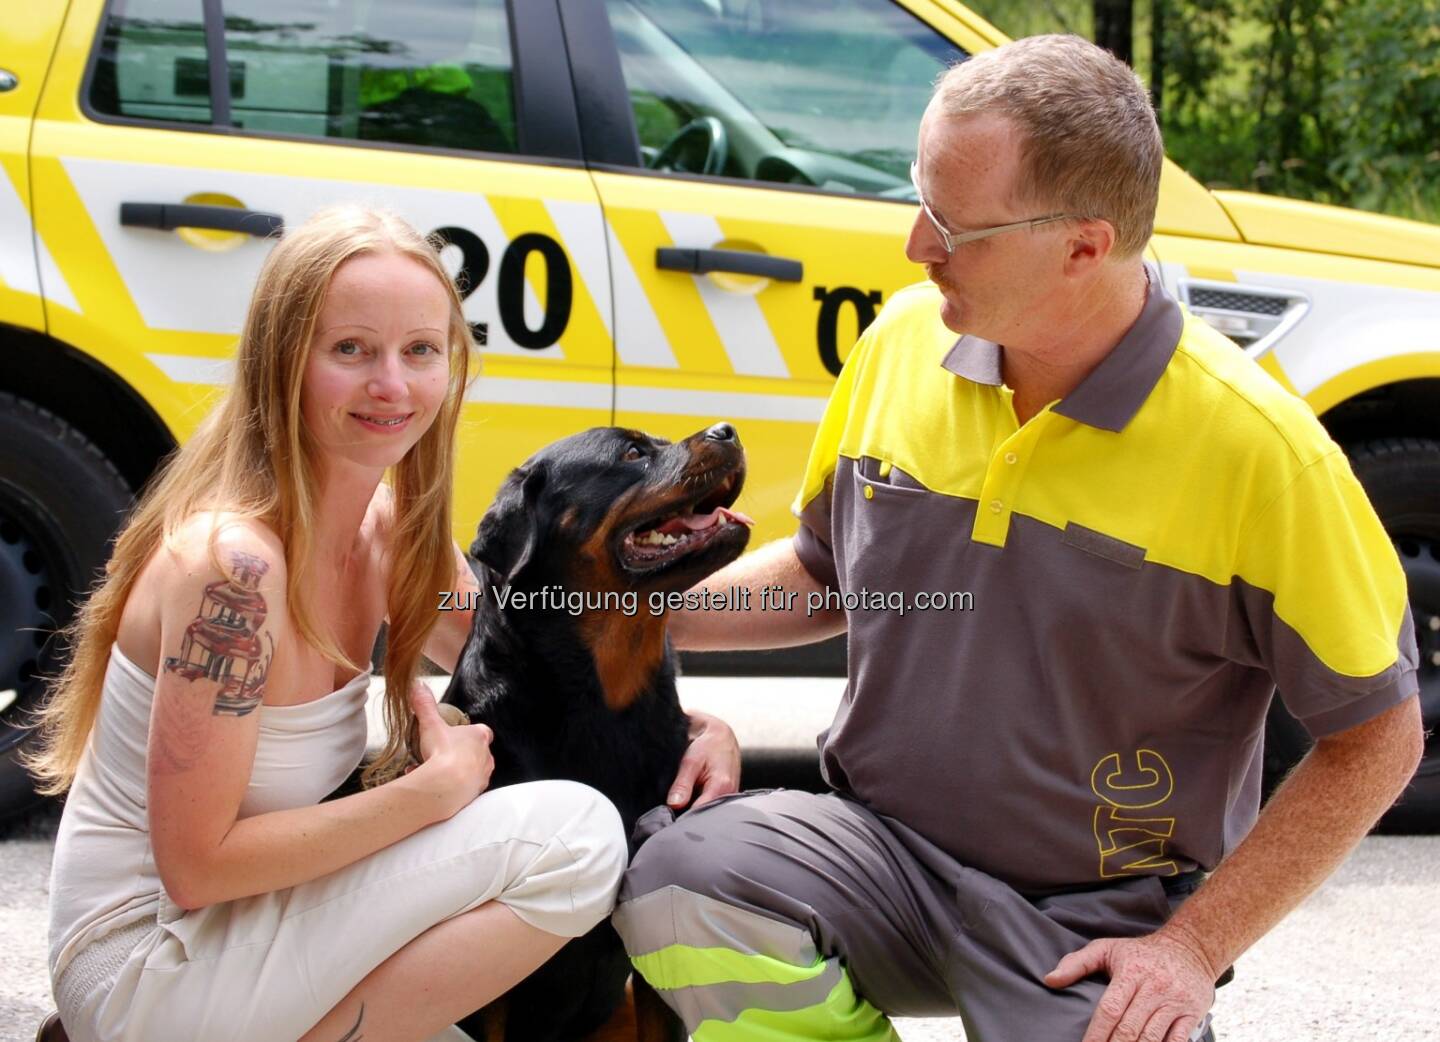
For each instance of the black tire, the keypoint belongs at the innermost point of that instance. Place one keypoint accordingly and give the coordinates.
(1402, 478)
(61, 501)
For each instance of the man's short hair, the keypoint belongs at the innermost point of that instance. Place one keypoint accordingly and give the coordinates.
(1090, 145)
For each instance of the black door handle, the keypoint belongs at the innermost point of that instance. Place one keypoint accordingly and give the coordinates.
(738, 262)
(169, 216)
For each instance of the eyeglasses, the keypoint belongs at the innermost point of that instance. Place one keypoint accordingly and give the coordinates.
(950, 239)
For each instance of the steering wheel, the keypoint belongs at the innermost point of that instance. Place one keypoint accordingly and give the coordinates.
(705, 129)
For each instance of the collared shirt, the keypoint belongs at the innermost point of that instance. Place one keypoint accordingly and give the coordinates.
(1144, 559)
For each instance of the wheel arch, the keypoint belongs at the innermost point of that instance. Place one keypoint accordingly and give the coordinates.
(88, 396)
(1398, 409)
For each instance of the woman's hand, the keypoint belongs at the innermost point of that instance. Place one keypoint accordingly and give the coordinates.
(456, 760)
(712, 760)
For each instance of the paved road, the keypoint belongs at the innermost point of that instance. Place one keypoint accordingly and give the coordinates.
(1355, 962)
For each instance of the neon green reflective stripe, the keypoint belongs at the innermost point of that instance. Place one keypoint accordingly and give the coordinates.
(727, 1001)
(842, 1017)
(684, 966)
(673, 915)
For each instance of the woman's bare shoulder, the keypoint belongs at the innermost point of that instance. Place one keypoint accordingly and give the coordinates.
(205, 543)
(205, 548)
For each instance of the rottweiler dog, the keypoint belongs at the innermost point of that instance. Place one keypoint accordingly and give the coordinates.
(569, 664)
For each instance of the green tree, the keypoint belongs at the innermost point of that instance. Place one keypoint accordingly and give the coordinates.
(1328, 100)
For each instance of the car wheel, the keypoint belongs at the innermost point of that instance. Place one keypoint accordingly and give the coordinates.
(61, 501)
(1402, 478)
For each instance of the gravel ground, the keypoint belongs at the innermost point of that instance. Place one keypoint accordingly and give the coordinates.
(1355, 961)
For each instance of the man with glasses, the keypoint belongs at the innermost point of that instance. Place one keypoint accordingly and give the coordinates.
(1029, 796)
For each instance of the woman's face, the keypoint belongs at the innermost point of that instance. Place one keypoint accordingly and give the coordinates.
(379, 365)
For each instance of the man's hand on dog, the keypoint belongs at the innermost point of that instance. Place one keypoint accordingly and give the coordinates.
(456, 758)
(1160, 988)
(712, 761)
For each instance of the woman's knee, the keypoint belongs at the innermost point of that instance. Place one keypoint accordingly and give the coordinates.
(589, 826)
(571, 854)
(581, 818)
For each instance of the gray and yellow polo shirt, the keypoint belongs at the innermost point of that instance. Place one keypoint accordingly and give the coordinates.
(1146, 559)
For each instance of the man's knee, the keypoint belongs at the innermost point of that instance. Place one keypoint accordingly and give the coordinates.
(689, 854)
(735, 850)
(732, 964)
(711, 881)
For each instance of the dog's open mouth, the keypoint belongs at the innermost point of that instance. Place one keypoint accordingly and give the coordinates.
(686, 528)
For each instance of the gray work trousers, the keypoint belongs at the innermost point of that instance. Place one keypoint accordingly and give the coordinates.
(794, 915)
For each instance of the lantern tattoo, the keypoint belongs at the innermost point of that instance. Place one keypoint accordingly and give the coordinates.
(223, 645)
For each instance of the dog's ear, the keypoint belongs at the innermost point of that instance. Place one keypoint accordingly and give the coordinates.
(510, 530)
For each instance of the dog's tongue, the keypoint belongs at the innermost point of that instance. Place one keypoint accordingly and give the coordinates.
(695, 522)
(732, 515)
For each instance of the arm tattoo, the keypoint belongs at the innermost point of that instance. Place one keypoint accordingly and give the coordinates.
(354, 1034)
(222, 643)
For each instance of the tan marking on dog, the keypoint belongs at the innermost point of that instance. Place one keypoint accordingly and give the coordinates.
(627, 653)
(627, 650)
(641, 1017)
(654, 1021)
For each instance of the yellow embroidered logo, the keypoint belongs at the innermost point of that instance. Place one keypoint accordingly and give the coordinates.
(1130, 844)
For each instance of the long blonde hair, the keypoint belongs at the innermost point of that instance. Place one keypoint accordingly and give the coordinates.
(253, 456)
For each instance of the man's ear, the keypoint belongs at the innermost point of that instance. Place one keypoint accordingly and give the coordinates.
(1090, 243)
(510, 530)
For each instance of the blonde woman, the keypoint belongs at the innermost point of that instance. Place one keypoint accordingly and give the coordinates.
(216, 694)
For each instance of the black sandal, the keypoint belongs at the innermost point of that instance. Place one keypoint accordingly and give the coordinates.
(52, 1030)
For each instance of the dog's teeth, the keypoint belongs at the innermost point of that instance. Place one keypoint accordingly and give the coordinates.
(657, 538)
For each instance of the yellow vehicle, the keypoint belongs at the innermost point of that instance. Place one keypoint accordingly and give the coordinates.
(662, 213)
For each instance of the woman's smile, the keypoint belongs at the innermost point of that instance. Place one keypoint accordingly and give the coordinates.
(382, 423)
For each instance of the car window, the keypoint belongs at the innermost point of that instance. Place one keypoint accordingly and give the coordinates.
(814, 92)
(152, 62)
(429, 72)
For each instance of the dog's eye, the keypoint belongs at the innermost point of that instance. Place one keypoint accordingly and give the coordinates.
(633, 453)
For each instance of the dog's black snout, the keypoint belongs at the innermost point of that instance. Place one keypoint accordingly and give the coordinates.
(721, 432)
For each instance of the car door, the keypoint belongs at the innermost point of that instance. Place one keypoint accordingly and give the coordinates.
(757, 196)
(291, 105)
(30, 33)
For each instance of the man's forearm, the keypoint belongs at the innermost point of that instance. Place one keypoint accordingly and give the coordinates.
(775, 621)
(1313, 821)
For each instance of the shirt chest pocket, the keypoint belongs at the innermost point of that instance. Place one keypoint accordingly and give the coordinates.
(1105, 547)
(872, 471)
(1091, 575)
(895, 533)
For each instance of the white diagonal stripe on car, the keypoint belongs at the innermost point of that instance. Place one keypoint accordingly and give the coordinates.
(639, 337)
(738, 319)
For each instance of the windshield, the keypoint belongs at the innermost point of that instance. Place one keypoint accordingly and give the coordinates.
(794, 82)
